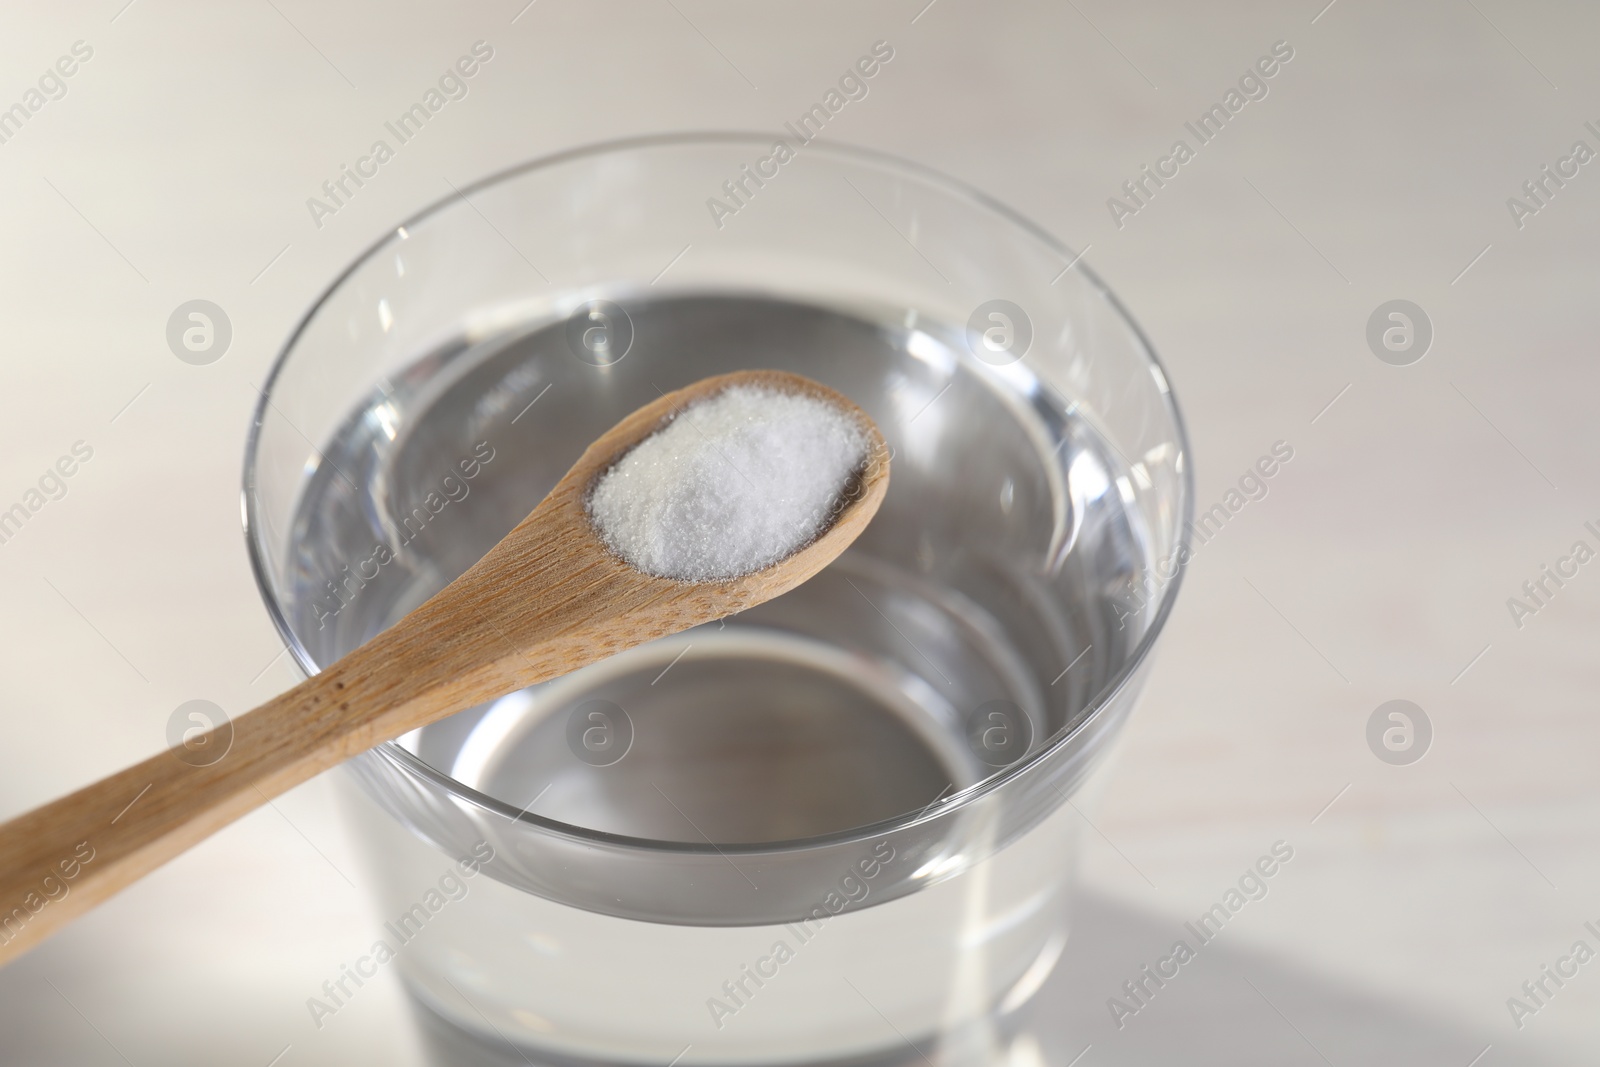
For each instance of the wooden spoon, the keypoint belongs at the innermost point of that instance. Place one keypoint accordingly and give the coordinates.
(546, 600)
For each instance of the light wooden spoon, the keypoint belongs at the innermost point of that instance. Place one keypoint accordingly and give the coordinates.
(546, 600)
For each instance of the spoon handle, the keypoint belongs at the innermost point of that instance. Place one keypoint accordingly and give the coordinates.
(494, 630)
(59, 860)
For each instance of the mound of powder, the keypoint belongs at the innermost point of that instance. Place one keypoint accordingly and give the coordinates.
(736, 482)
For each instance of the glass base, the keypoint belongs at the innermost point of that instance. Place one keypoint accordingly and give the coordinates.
(448, 1044)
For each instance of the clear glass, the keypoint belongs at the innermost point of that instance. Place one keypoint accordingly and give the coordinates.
(835, 827)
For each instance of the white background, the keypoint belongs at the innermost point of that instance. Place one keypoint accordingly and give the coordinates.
(177, 167)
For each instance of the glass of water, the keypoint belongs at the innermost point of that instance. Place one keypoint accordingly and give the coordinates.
(833, 827)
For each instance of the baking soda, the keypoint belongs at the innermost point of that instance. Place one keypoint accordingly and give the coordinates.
(733, 484)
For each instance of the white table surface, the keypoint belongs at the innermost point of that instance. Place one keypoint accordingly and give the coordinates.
(177, 167)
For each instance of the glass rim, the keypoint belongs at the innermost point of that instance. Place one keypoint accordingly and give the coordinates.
(941, 807)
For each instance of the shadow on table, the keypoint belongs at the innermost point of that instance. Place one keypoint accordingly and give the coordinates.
(1233, 1007)
(1229, 1007)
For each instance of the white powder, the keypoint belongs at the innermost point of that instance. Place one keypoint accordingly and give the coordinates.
(733, 484)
